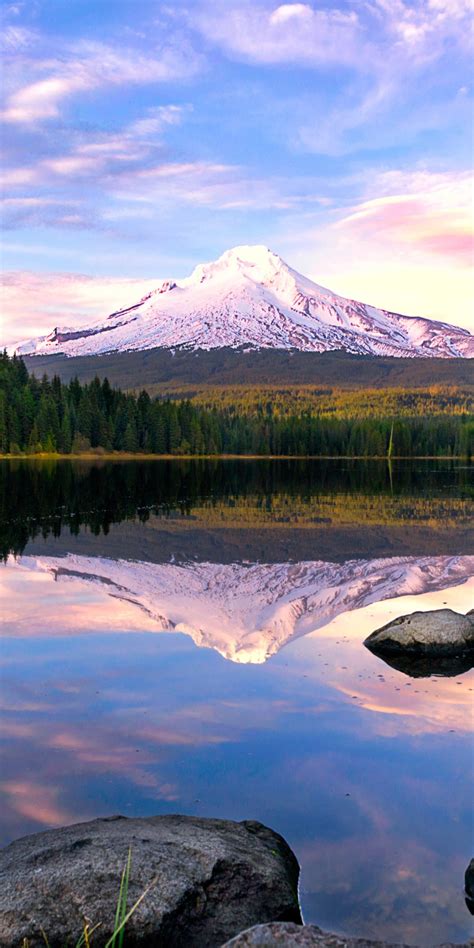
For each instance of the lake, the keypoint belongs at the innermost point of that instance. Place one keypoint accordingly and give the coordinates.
(186, 636)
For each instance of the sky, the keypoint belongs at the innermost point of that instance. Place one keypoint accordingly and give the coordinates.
(142, 137)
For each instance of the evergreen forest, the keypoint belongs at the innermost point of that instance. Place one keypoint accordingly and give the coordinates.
(48, 416)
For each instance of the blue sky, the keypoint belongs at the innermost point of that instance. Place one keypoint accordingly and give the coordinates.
(143, 137)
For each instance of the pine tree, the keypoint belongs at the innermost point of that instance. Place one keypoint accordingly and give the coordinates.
(65, 441)
(174, 430)
(130, 441)
(4, 440)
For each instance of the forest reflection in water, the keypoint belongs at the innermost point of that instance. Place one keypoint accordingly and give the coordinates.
(41, 499)
(365, 770)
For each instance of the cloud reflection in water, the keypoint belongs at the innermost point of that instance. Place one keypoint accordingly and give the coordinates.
(348, 758)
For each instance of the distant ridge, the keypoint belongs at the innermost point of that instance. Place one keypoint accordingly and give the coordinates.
(251, 298)
(169, 370)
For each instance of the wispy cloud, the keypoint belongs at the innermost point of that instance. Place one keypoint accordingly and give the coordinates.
(157, 120)
(122, 171)
(426, 213)
(211, 184)
(14, 177)
(96, 153)
(14, 38)
(290, 32)
(89, 66)
(368, 61)
(41, 100)
(306, 34)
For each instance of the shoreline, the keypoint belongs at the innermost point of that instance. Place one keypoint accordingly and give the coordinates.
(142, 456)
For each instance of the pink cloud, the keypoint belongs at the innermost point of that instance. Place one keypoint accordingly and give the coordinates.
(32, 303)
(14, 177)
(35, 801)
(73, 165)
(460, 246)
(40, 100)
(433, 218)
(403, 245)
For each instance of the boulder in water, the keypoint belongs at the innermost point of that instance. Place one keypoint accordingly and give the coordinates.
(426, 643)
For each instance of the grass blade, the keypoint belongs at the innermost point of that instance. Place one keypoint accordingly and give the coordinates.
(84, 940)
(112, 942)
(121, 909)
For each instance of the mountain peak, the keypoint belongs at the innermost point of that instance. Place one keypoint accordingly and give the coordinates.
(249, 297)
(254, 261)
(249, 253)
(252, 255)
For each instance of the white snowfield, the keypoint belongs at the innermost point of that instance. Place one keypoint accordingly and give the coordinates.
(250, 297)
(248, 612)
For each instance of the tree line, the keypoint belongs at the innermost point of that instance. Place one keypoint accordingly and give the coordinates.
(47, 416)
(330, 400)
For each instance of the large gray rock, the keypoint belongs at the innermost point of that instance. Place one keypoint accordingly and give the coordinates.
(442, 636)
(282, 935)
(209, 879)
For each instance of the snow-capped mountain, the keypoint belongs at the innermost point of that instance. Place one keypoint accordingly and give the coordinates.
(249, 611)
(250, 297)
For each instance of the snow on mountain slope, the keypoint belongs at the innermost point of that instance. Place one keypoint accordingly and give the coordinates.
(249, 297)
(247, 612)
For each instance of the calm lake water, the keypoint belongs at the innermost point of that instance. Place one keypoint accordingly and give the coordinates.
(187, 637)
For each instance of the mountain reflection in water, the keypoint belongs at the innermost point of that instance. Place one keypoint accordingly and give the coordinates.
(247, 612)
(107, 708)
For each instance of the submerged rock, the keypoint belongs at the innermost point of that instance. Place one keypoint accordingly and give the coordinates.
(287, 935)
(426, 643)
(206, 879)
